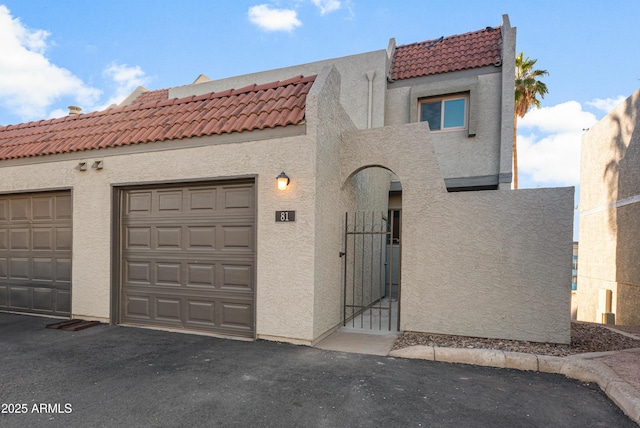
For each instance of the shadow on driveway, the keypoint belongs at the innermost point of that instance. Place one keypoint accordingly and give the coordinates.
(109, 376)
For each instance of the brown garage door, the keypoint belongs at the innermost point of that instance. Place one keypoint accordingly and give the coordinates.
(35, 253)
(188, 257)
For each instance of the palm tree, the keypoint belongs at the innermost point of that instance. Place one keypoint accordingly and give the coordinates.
(527, 89)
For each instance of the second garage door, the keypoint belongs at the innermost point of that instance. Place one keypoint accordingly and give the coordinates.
(188, 257)
(35, 253)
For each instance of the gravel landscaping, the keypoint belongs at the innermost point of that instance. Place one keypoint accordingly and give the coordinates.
(585, 337)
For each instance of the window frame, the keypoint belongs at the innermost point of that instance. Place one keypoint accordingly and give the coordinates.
(469, 85)
(442, 100)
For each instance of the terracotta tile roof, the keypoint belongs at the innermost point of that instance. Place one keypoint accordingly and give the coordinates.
(160, 94)
(459, 52)
(235, 110)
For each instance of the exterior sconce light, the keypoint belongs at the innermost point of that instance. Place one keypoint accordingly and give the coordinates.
(97, 165)
(283, 181)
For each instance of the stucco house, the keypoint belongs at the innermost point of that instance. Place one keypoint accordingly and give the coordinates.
(609, 272)
(165, 211)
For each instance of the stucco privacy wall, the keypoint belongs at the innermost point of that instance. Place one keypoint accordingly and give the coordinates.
(285, 256)
(610, 215)
(492, 264)
(326, 122)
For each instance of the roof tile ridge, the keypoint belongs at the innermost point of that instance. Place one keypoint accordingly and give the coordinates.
(246, 89)
(308, 79)
(203, 97)
(265, 86)
(427, 42)
(291, 81)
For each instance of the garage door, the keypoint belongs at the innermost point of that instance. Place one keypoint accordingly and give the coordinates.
(188, 257)
(35, 253)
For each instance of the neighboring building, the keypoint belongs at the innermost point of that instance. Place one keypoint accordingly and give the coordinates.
(574, 268)
(609, 273)
(164, 211)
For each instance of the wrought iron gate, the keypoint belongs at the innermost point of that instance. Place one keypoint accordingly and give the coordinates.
(371, 270)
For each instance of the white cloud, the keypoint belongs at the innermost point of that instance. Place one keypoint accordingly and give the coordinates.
(327, 6)
(270, 19)
(126, 80)
(565, 117)
(606, 104)
(550, 152)
(29, 82)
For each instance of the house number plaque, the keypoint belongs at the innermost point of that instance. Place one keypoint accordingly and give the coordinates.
(285, 216)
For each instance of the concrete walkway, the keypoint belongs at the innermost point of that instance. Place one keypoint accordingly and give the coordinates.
(616, 372)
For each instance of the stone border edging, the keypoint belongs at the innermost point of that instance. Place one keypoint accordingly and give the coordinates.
(580, 367)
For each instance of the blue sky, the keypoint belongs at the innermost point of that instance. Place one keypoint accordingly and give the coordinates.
(93, 53)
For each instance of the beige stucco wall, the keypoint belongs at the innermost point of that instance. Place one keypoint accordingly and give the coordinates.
(485, 148)
(285, 256)
(490, 264)
(356, 71)
(459, 154)
(299, 283)
(610, 215)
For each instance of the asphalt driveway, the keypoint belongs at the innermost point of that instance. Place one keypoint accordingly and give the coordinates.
(109, 376)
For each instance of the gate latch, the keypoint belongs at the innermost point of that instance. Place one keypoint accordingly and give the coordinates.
(342, 253)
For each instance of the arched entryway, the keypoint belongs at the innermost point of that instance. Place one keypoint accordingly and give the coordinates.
(371, 253)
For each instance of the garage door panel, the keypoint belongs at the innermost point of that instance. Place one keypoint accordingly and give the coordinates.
(138, 203)
(168, 237)
(43, 299)
(237, 315)
(63, 271)
(63, 208)
(42, 208)
(19, 268)
(19, 239)
(138, 238)
(202, 237)
(19, 209)
(237, 277)
(43, 238)
(138, 307)
(137, 272)
(238, 237)
(43, 269)
(63, 239)
(201, 275)
(169, 200)
(174, 272)
(201, 313)
(4, 210)
(35, 252)
(168, 309)
(238, 198)
(63, 301)
(169, 273)
(202, 200)
(19, 298)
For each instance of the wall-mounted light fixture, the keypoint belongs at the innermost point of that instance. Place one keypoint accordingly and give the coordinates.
(283, 181)
(82, 166)
(97, 165)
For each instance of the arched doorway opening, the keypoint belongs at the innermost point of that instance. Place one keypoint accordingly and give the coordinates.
(372, 251)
